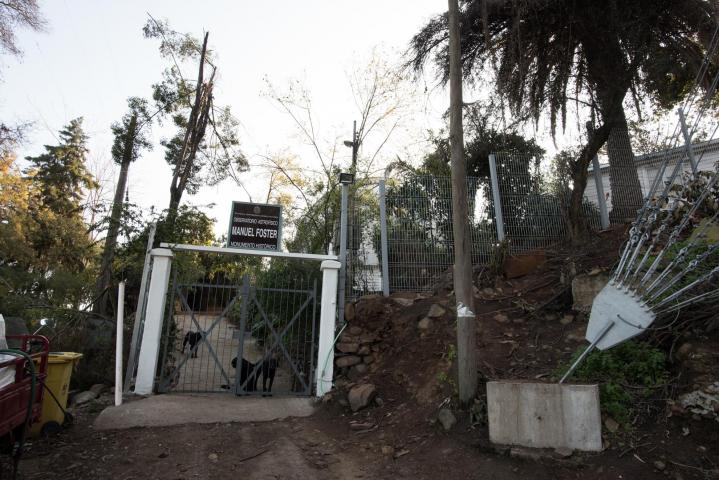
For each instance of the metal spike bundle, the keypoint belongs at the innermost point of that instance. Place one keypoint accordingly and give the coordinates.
(668, 263)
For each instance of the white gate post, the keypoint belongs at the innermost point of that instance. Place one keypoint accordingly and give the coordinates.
(151, 336)
(328, 310)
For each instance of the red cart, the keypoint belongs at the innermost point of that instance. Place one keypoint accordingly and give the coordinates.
(15, 397)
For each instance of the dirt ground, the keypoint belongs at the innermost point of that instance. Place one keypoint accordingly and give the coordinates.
(524, 332)
(328, 445)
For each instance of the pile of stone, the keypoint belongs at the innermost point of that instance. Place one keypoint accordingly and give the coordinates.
(357, 352)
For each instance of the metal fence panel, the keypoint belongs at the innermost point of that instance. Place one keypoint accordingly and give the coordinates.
(244, 326)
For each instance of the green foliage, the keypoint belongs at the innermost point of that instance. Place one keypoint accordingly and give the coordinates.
(61, 173)
(626, 373)
(451, 352)
(544, 56)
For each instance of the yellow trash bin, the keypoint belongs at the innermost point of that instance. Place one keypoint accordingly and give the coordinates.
(59, 371)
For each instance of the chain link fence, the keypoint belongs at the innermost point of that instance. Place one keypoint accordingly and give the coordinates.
(519, 204)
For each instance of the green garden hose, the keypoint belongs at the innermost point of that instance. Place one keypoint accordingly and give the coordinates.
(329, 354)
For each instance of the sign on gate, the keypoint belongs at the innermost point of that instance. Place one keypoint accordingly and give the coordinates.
(255, 225)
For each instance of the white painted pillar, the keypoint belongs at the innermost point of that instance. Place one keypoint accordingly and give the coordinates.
(151, 336)
(328, 311)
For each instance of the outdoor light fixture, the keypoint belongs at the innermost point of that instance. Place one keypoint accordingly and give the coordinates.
(349, 143)
(347, 178)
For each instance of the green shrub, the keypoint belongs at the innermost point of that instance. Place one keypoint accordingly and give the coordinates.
(626, 373)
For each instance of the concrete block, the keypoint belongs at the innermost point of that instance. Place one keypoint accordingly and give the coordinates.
(544, 415)
(585, 288)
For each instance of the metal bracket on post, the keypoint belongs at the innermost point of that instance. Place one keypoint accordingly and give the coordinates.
(383, 237)
(496, 197)
(601, 199)
(687, 142)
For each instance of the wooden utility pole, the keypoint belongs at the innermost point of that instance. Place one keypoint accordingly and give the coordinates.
(466, 329)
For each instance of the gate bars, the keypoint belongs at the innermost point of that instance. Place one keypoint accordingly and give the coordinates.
(267, 323)
(218, 312)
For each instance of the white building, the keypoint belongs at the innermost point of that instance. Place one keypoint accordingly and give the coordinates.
(706, 154)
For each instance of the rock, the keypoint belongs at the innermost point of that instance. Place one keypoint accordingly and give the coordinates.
(348, 347)
(364, 350)
(404, 302)
(501, 318)
(347, 361)
(347, 338)
(525, 454)
(349, 312)
(361, 368)
(84, 397)
(425, 323)
(564, 452)
(447, 419)
(213, 457)
(367, 338)
(361, 395)
(659, 465)
(489, 292)
(585, 288)
(387, 450)
(435, 311)
(566, 319)
(355, 330)
(368, 359)
(611, 424)
(551, 317)
(518, 320)
(98, 389)
(520, 265)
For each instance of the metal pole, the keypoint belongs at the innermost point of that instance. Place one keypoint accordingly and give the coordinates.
(496, 197)
(601, 199)
(119, 340)
(343, 253)
(586, 352)
(383, 238)
(139, 313)
(687, 142)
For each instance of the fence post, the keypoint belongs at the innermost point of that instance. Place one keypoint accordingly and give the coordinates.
(601, 199)
(383, 237)
(151, 335)
(139, 313)
(496, 197)
(687, 142)
(344, 188)
(325, 347)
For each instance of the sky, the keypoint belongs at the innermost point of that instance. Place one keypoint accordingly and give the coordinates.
(93, 56)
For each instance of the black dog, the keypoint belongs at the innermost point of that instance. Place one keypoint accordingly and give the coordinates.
(192, 338)
(249, 378)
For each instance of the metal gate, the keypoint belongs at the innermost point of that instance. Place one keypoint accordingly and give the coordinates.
(249, 336)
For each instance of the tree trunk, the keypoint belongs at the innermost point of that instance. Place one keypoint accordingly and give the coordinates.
(466, 323)
(611, 74)
(626, 191)
(104, 279)
(578, 228)
(194, 133)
